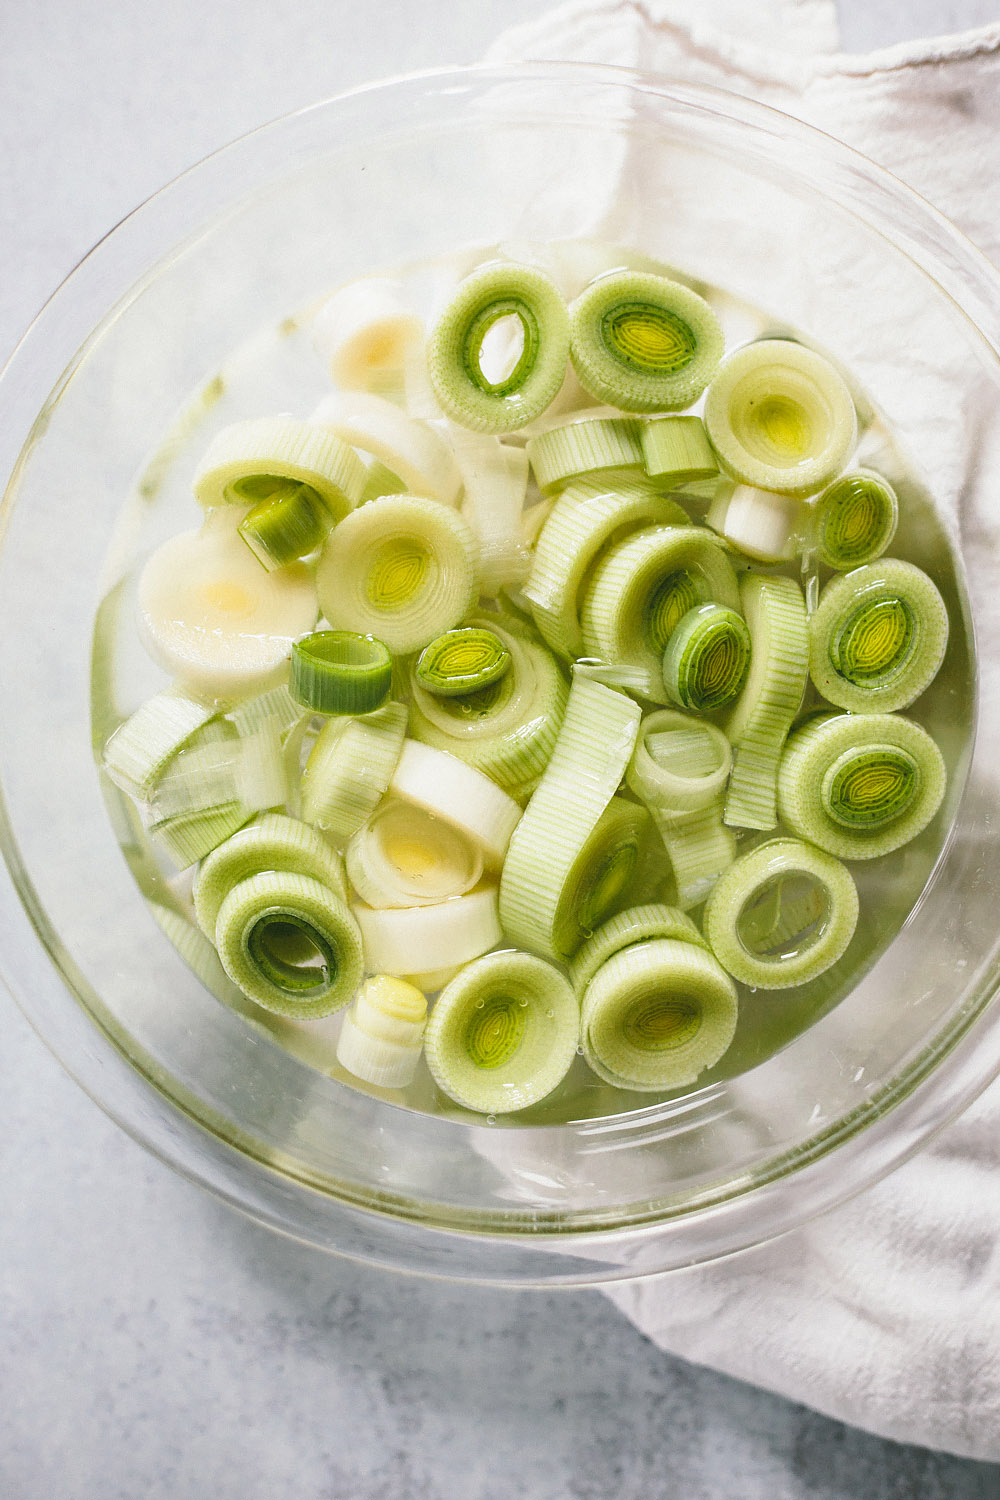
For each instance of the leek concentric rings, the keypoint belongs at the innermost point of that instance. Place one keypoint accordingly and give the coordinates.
(707, 657)
(854, 520)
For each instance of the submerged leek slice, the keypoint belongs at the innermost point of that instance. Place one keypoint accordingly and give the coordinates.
(780, 417)
(586, 517)
(707, 657)
(338, 672)
(643, 343)
(657, 1014)
(417, 939)
(503, 1034)
(782, 914)
(349, 769)
(462, 661)
(412, 449)
(576, 447)
(139, 750)
(877, 637)
(860, 785)
(211, 616)
(528, 378)
(286, 526)
(761, 524)
(761, 717)
(641, 590)
(365, 331)
(290, 944)
(247, 766)
(188, 837)
(401, 569)
(250, 461)
(676, 451)
(854, 520)
(272, 842)
(634, 925)
(405, 856)
(382, 1034)
(495, 484)
(450, 789)
(572, 855)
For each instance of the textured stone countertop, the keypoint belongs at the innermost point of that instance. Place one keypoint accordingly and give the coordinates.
(154, 1344)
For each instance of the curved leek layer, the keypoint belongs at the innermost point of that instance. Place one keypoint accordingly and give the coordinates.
(338, 672)
(780, 417)
(585, 518)
(758, 724)
(286, 526)
(364, 333)
(405, 856)
(246, 765)
(503, 1034)
(349, 770)
(506, 730)
(381, 1038)
(211, 616)
(272, 842)
(676, 451)
(400, 569)
(414, 450)
(417, 939)
(569, 862)
(450, 789)
(455, 348)
(290, 944)
(643, 343)
(462, 661)
(634, 925)
(781, 915)
(188, 837)
(878, 637)
(495, 480)
(140, 749)
(707, 658)
(657, 1014)
(860, 785)
(854, 520)
(248, 461)
(641, 590)
(760, 524)
(576, 447)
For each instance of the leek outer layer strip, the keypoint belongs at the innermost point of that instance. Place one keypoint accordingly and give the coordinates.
(349, 770)
(244, 457)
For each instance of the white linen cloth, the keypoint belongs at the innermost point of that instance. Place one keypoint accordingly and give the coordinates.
(885, 1313)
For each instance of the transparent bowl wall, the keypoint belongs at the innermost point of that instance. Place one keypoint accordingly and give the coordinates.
(720, 189)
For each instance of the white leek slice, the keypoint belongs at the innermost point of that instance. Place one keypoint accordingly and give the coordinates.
(495, 479)
(410, 448)
(406, 856)
(415, 939)
(365, 331)
(138, 751)
(382, 1033)
(211, 616)
(459, 794)
(272, 842)
(757, 522)
(247, 461)
(349, 769)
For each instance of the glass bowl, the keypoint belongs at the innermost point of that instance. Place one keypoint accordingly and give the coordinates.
(716, 186)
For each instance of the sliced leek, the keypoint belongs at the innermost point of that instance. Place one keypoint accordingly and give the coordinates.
(406, 856)
(450, 789)
(250, 461)
(462, 661)
(759, 523)
(503, 1034)
(364, 333)
(782, 914)
(339, 672)
(878, 637)
(860, 785)
(759, 721)
(495, 484)
(381, 1037)
(286, 526)
(657, 1014)
(272, 842)
(290, 944)
(491, 295)
(416, 939)
(780, 417)
(584, 447)
(189, 836)
(414, 450)
(140, 749)
(854, 520)
(676, 451)
(634, 925)
(349, 770)
(707, 658)
(643, 342)
(401, 569)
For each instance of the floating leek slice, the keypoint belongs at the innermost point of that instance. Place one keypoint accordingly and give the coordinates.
(780, 417)
(188, 837)
(643, 343)
(657, 1014)
(401, 569)
(572, 855)
(503, 1034)
(286, 526)
(272, 842)
(584, 447)
(213, 769)
(760, 524)
(349, 770)
(450, 789)
(251, 461)
(491, 295)
(290, 944)
(462, 661)
(634, 925)
(382, 1034)
(584, 520)
(707, 658)
(854, 520)
(417, 939)
(782, 914)
(364, 333)
(405, 856)
(412, 449)
(759, 721)
(643, 587)
(339, 672)
(878, 637)
(676, 451)
(140, 749)
(860, 785)
(495, 482)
